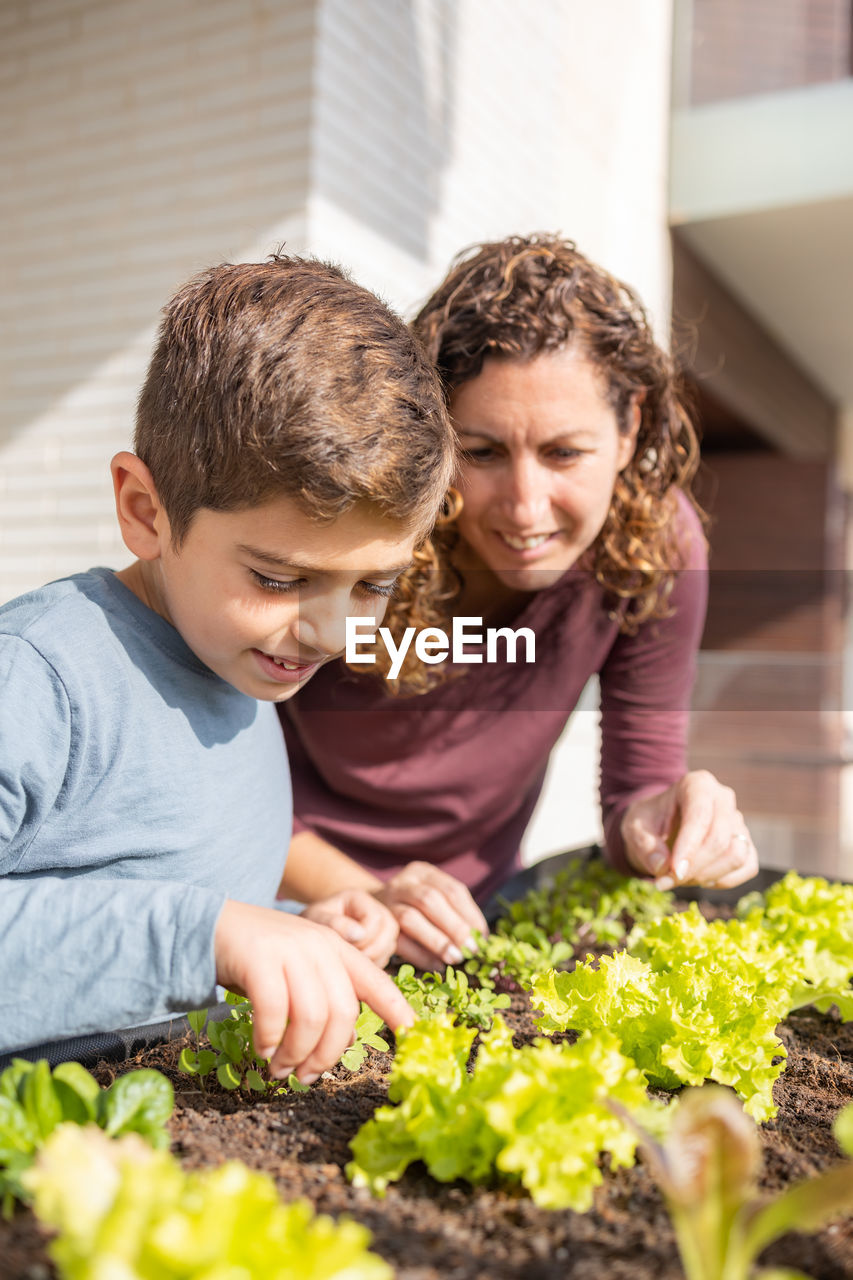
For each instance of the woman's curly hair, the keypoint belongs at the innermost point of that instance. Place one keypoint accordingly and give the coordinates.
(514, 299)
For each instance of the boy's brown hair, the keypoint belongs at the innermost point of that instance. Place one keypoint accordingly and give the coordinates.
(286, 377)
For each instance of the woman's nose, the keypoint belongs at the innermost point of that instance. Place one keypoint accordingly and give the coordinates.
(527, 497)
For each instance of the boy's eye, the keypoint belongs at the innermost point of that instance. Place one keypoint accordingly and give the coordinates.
(384, 589)
(276, 584)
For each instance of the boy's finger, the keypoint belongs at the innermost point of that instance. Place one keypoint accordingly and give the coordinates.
(309, 1013)
(375, 988)
(337, 1034)
(270, 1006)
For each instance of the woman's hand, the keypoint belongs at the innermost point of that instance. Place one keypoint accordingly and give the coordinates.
(361, 920)
(691, 833)
(435, 913)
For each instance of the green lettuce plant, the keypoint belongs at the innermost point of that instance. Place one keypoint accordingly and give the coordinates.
(430, 994)
(538, 1116)
(680, 1026)
(122, 1210)
(812, 920)
(34, 1101)
(707, 1167)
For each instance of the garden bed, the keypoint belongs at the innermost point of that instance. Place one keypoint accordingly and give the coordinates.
(431, 1231)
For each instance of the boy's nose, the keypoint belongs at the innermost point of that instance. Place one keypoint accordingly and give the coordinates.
(321, 624)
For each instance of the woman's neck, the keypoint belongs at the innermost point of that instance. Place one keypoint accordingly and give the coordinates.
(483, 594)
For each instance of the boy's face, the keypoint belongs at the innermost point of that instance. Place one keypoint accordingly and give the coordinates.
(261, 595)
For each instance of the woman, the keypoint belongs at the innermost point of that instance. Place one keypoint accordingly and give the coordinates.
(574, 519)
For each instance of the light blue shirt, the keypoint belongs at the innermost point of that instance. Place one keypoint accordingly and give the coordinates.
(138, 790)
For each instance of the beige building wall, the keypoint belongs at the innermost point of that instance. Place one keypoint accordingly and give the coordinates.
(150, 138)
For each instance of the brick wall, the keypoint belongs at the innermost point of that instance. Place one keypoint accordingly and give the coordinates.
(740, 47)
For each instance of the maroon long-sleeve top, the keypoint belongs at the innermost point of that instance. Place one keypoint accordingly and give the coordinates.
(452, 776)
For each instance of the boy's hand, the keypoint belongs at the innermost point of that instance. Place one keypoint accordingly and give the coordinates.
(360, 919)
(305, 984)
(435, 913)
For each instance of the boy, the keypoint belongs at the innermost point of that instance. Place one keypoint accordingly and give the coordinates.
(291, 449)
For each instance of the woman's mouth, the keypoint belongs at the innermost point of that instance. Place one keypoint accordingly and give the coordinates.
(525, 542)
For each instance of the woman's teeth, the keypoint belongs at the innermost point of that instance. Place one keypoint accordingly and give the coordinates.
(288, 666)
(525, 544)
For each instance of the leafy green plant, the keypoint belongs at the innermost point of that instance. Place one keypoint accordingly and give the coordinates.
(430, 994)
(812, 920)
(706, 1168)
(367, 1027)
(120, 1209)
(34, 1101)
(518, 955)
(587, 902)
(537, 1115)
(232, 1053)
(680, 1026)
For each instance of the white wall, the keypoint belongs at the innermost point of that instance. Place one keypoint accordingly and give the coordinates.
(143, 140)
(152, 138)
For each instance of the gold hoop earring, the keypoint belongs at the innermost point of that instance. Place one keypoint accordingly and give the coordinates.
(450, 507)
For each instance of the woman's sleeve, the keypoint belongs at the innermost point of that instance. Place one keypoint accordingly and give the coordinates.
(646, 684)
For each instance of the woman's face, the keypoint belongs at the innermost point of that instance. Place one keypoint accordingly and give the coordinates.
(543, 449)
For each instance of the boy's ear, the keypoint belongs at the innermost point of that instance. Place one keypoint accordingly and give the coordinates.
(141, 517)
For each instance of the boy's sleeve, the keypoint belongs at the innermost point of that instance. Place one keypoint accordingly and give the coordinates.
(80, 954)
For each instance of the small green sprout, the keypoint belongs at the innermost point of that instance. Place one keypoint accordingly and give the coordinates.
(432, 994)
(236, 1064)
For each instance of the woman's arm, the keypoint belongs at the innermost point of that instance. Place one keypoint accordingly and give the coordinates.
(660, 819)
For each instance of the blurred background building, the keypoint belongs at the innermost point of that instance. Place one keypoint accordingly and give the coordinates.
(703, 152)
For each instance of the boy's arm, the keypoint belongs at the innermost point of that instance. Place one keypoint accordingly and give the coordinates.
(81, 955)
(434, 912)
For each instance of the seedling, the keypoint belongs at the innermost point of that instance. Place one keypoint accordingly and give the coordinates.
(232, 1054)
(431, 995)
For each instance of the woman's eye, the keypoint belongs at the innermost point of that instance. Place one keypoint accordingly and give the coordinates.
(275, 584)
(484, 454)
(565, 455)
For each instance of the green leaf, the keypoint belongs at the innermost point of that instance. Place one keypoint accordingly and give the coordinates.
(254, 1080)
(227, 1076)
(804, 1207)
(139, 1102)
(39, 1100)
(188, 1062)
(197, 1018)
(206, 1061)
(148, 1218)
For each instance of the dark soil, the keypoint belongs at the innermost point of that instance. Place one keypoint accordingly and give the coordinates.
(432, 1231)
